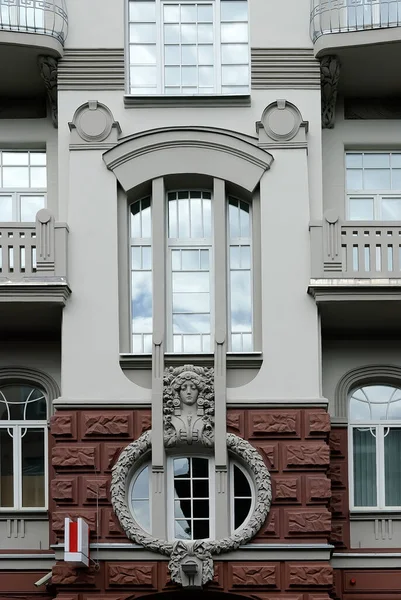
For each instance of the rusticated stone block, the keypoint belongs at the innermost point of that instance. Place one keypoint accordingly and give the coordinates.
(112, 526)
(286, 489)
(235, 422)
(338, 534)
(107, 424)
(307, 455)
(110, 454)
(274, 423)
(309, 575)
(132, 575)
(218, 578)
(339, 503)
(318, 488)
(307, 522)
(67, 597)
(253, 575)
(64, 574)
(271, 527)
(338, 474)
(338, 442)
(63, 425)
(89, 516)
(64, 490)
(144, 419)
(269, 453)
(318, 597)
(95, 489)
(317, 423)
(74, 457)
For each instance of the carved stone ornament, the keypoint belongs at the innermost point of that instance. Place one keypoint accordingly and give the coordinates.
(329, 77)
(281, 120)
(191, 563)
(188, 406)
(48, 72)
(94, 123)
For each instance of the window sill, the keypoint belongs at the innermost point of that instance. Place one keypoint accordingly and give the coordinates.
(156, 101)
(29, 513)
(235, 360)
(365, 515)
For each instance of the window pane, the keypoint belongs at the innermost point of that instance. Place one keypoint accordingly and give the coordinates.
(191, 323)
(234, 54)
(361, 209)
(15, 158)
(234, 75)
(142, 302)
(200, 488)
(33, 467)
(142, 11)
(396, 179)
(241, 301)
(145, 54)
(188, 55)
(376, 161)
(30, 205)
(241, 484)
(142, 33)
(188, 13)
(205, 13)
(205, 55)
(206, 76)
(234, 11)
(182, 530)
(182, 509)
(241, 511)
(140, 489)
(234, 32)
(189, 76)
(16, 177)
(38, 177)
(377, 179)
(172, 76)
(354, 179)
(201, 509)
(391, 209)
(201, 530)
(200, 467)
(172, 34)
(143, 76)
(191, 303)
(6, 468)
(396, 160)
(189, 282)
(171, 13)
(6, 208)
(141, 510)
(364, 442)
(392, 466)
(353, 160)
(182, 467)
(205, 34)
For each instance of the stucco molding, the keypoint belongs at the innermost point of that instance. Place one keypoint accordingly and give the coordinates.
(211, 151)
(16, 374)
(163, 101)
(368, 374)
(246, 360)
(93, 122)
(284, 68)
(330, 77)
(281, 123)
(91, 69)
(44, 289)
(238, 447)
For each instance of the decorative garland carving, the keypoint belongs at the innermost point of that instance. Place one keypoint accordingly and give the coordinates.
(330, 76)
(200, 550)
(188, 406)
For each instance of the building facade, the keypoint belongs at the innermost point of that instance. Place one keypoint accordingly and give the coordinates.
(200, 274)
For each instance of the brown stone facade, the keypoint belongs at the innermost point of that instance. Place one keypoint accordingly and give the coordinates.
(294, 445)
(339, 502)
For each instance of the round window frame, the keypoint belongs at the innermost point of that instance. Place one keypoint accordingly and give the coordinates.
(237, 447)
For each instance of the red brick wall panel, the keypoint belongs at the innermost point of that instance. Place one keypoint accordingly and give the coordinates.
(247, 575)
(306, 455)
(274, 422)
(235, 422)
(64, 489)
(287, 489)
(64, 425)
(107, 424)
(317, 423)
(309, 575)
(318, 488)
(95, 489)
(132, 575)
(307, 522)
(75, 457)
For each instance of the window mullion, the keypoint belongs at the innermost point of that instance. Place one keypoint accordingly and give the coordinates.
(380, 467)
(17, 467)
(217, 50)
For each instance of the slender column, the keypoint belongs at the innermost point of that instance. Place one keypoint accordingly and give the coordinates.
(159, 311)
(220, 349)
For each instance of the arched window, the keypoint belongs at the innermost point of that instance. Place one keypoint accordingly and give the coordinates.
(375, 439)
(191, 272)
(191, 497)
(23, 446)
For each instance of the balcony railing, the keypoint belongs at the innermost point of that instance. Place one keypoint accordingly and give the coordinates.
(33, 251)
(355, 249)
(340, 16)
(46, 17)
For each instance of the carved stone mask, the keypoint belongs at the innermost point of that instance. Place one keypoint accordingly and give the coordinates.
(189, 392)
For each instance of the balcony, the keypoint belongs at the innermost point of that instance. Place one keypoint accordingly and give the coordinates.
(356, 274)
(29, 30)
(33, 261)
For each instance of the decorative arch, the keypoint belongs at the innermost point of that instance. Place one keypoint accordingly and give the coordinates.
(360, 376)
(209, 151)
(31, 376)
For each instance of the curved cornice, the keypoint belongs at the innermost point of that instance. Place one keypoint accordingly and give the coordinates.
(33, 376)
(177, 150)
(360, 376)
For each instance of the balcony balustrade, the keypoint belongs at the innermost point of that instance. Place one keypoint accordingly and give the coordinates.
(341, 16)
(355, 249)
(45, 17)
(33, 257)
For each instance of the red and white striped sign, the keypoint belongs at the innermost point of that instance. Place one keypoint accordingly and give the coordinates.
(76, 542)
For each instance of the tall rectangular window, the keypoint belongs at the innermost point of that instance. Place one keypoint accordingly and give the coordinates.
(188, 48)
(23, 181)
